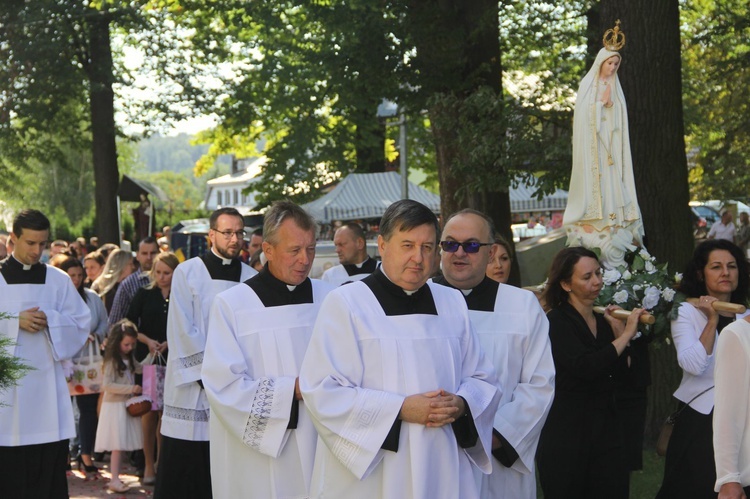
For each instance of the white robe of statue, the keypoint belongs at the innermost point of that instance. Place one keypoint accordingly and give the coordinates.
(602, 210)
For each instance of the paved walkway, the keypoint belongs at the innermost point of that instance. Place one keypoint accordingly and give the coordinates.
(82, 487)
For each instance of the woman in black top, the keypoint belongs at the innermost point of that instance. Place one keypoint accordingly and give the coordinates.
(580, 454)
(148, 311)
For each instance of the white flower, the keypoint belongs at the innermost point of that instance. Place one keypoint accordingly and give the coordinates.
(637, 287)
(645, 254)
(677, 277)
(621, 296)
(668, 294)
(610, 277)
(650, 267)
(651, 297)
(627, 275)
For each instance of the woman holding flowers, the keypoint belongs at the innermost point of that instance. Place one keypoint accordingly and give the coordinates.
(718, 271)
(580, 450)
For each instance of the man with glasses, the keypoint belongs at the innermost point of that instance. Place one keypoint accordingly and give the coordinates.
(262, 440)
(394, 377)
(513, 330)
(184, 465)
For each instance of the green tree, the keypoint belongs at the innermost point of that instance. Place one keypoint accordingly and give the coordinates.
(56, 54)
(717, 96)
(315, 76)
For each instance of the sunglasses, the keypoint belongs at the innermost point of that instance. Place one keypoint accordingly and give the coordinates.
(469, 247)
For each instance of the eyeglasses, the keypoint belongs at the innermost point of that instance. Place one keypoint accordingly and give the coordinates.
(229, 233)
(469, 247)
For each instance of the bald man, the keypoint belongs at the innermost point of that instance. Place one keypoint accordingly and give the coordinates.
(355, 263)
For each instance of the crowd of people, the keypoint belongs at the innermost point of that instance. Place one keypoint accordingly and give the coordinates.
(420, 375)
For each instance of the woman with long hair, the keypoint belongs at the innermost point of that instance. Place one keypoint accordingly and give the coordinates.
(148, 311)
(580, 453)
(501, 258)
(718, 271)
(86, 403)
(119, 265)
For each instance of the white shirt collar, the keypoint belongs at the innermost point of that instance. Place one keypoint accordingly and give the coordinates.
(224, 261)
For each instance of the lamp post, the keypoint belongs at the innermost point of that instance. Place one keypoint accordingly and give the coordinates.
(388, 109)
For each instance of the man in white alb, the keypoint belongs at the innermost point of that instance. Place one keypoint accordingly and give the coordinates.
(50, 323)
(355, 263)
(395, 380)
(184, 467)
(262, 439)
(514, 333)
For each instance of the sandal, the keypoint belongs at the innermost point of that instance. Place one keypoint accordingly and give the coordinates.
(121, 489)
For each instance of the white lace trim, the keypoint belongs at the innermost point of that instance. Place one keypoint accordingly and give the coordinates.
(260, 413)
(183, 414)
(191, 361)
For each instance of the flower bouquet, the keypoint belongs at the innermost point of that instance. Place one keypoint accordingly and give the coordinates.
(642, 283)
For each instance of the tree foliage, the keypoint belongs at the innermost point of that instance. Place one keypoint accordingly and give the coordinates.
(716, 53)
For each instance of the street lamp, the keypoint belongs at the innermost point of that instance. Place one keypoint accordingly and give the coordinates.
(389, 109)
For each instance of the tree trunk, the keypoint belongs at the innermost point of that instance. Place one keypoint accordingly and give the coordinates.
(104, 148)
(464, 58)
(651, 79)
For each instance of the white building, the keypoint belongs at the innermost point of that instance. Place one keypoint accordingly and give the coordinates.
(227, 190)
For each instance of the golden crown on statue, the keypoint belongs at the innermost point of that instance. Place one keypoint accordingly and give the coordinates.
(614, 39)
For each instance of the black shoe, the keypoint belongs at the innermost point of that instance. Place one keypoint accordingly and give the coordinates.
(83, 467)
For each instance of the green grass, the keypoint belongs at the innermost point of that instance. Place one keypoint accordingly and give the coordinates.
(644, 484)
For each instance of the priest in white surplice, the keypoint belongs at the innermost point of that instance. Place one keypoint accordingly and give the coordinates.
(262, 439)
(351, 248)
(51, 324)
(184, 465)
(395, 380)
(514, 334)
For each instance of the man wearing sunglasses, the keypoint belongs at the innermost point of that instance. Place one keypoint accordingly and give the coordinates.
(513, 330)
(394, 379)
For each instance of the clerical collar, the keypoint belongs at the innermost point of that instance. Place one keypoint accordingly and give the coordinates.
(408, 292)
(15, 272)
(224, 261)
(220, 271)
(397, 301)
(481, 298)
(366, 267)
(274, 292)
(24, 266)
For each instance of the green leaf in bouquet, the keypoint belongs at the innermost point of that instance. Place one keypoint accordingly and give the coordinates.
(638, 263)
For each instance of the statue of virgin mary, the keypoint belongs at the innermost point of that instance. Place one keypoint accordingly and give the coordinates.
(602, 210)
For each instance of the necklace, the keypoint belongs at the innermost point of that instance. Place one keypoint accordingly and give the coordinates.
(610, 161)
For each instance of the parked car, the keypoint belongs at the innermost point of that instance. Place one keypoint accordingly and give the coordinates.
(703, 217)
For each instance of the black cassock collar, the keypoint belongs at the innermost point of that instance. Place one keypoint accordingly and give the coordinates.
(219, 271)
(482, 297)
(14, 273)
(367, 267)
(276, 293)
(395, 301)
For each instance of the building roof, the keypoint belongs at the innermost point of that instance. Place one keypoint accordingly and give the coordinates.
(366, 195)
(242, 177)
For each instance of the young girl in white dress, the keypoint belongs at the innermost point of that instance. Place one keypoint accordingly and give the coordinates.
(118, 431)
